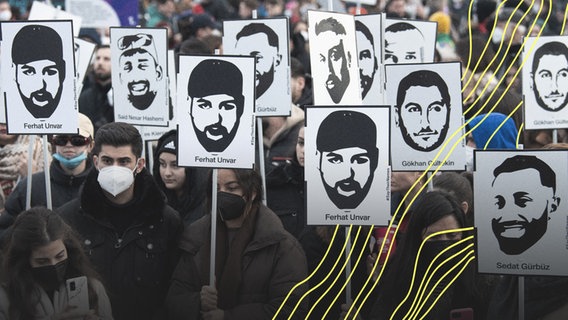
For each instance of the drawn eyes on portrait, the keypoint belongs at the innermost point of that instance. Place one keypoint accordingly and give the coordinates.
(500, 202)
(28, 70)
(204, 104)
(228, 105)
(365, 54)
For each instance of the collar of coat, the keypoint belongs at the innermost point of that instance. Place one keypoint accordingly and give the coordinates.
(148, 199)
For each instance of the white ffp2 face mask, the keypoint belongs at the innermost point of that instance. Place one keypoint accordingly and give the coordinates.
(115, 179)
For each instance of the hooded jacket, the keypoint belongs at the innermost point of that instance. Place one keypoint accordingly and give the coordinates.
(272, 264)
(191, 206)
(135, 264)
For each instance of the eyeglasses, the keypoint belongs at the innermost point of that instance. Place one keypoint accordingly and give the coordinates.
(77, 141)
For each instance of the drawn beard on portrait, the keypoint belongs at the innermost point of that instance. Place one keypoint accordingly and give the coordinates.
(349, 184)
(216, 129)
(265, 80)
(533, 231)
(140, 101)
(42, 95)
(410, 141)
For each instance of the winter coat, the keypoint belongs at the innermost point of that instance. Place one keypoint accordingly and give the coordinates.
(64, 188)
(94, 103)
(272, 264)
(47, 308)
(136, 265)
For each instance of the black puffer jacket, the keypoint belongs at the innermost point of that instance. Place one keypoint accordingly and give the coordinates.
(136, 265)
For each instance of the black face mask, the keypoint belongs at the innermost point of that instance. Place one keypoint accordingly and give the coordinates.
(230, 206)
(50, 277)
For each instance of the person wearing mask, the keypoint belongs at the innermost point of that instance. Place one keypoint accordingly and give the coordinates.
(130, 233)
(42, 252)
(184, 187)
(68, 171)
(409, 269)
(257, 261)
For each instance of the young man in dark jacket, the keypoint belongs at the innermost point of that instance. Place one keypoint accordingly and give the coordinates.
(129, 232)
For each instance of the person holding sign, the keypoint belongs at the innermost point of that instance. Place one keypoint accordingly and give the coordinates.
(41, 253)
(68, 171)
(435, 211)
(257, 261)
(129, 231)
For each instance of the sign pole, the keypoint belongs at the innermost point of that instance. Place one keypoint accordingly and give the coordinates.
(213, 227)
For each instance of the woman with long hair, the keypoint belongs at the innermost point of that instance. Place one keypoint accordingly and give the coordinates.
(40, 254)
(420, 252)
(257, 262)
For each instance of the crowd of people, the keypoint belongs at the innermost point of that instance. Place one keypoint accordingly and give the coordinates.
(142, 236)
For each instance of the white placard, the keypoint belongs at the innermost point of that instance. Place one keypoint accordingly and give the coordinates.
(409, 41)
(333, 58)
(427, 113)
(267, 40)
(42, 11)
(215, 98)
(545, 82)
(95, 13)
(83, 55)
(346, 165)
(38, 77)
(521, 213)
(139, 79)
(368, 32)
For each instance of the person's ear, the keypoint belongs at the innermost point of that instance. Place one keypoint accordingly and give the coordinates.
(278, 60)
(396, 118)
(96, 161)
(531, 82)
(349, 59)
(140, 165)
(554, 205)
(159, 73)
(301, 82)
(465, 207)
(318, 156)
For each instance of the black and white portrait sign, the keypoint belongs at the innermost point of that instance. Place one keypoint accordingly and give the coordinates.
(346, 165)
(333, 58)
(521, 213)
(215, 103)
(83, 54)
(38, 77)
(267, 41)
(545, 82)
(427, 116)
(368, 32)
(409, 41)
(139, 81)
